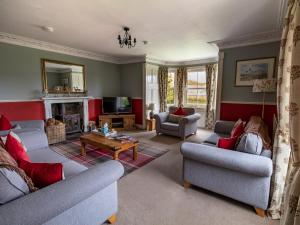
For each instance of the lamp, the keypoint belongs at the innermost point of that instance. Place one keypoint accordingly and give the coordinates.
(126, 40)
(264, 85)
(151, 107)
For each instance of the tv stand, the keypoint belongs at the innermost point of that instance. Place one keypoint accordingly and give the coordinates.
(118, 121)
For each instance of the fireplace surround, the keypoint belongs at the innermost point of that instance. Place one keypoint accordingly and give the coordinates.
(84, 116)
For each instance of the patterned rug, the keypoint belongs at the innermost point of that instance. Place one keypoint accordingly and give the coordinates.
(146, 153)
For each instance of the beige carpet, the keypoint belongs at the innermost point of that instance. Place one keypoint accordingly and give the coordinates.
(153, 194)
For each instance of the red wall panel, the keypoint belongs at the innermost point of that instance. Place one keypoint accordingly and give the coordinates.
(26, 110)
(137, 108)
(234, 111)
(95, 109)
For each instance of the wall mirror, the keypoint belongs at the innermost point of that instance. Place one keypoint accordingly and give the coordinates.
(63, 77)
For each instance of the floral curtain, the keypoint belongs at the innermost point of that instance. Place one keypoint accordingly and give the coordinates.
(181, 80)
(291, 62)
(211, 80)
(162, 87)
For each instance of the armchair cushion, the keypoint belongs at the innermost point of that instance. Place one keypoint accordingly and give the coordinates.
(180, 112)
(174, 118)
(227, 143)
(170, 126)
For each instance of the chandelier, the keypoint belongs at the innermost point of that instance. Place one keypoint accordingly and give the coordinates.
(127, 40)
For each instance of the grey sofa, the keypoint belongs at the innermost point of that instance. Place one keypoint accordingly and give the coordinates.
(240, 176)
(25, 126)
(187, 126)
(85, 196)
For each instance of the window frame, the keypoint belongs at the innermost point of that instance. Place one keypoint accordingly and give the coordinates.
(194, 69)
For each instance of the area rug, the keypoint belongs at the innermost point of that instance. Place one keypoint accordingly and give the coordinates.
(146, 153)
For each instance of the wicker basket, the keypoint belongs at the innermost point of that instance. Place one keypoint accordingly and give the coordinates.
(56, 133)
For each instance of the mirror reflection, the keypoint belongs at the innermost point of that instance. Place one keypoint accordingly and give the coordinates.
(60, 77)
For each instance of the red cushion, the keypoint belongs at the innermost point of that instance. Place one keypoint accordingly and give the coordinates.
(227, 143)
(42, 174)
(238, 129)
(5, 123)
(180, 112)
(15, 147)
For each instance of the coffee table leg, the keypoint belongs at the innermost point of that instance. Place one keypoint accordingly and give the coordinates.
(135, 152)
(83, 151)
(116, 156)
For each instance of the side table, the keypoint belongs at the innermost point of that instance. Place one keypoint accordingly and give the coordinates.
(150, 124)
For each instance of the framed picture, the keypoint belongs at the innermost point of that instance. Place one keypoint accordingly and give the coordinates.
(249, 70)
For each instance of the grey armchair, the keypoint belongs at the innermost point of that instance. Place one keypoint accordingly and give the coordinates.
(186, 126)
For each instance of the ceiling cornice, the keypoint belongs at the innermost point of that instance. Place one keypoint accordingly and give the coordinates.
(181, 63)
(33, 43)
(252, 39)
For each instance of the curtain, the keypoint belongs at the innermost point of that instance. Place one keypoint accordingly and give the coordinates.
(181, 80)
(211, 71)
(291, 60)
(162, 87)
(281, 148)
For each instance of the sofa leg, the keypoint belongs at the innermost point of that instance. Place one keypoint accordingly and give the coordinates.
(112, 219)
(260, 212)
(186, 184)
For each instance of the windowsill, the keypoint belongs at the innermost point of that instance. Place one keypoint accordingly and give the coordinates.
(196, 107)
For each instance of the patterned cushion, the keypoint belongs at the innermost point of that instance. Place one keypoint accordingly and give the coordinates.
(174, 118)
(250, 143)
(14, 182)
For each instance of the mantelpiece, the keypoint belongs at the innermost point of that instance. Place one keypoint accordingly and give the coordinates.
(48, 101)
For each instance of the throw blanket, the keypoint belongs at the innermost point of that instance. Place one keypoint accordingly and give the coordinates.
(257, 126)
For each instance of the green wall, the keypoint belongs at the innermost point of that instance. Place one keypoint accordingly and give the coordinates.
(132, 80)
(20, 73)
(232, 93)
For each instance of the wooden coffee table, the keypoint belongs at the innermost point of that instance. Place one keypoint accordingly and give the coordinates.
(113, 145)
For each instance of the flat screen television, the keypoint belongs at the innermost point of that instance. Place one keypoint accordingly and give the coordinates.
(116, 105)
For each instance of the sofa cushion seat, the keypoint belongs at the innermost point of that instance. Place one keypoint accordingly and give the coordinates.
(46, 155)
(214, 138)
(72, 168)
(170, 126)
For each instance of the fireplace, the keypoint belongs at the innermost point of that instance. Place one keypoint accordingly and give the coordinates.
(73, 111)
(70, 114)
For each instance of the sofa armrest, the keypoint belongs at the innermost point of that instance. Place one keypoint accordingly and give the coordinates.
(34, 124)
(191, 118)
(49, 202)
(161, 117)
(223, 127)
(232, 160)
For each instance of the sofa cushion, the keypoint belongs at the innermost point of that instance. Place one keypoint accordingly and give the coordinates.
(227, 143)
(15, 147)
(29, 139)
(46, 155)
(12, 185)
(238, 129)
(250, 143)
(172, 118)
(43, 174)
(214, 138)
(72, 168)
(5, 123)
(170, 126)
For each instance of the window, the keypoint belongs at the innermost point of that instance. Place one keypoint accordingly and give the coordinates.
(196, 87)
(152, 87)
(171, 88)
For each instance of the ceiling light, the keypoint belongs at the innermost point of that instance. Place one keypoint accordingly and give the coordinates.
(127, 40)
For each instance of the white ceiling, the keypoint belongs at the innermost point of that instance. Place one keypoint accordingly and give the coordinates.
(177, 30)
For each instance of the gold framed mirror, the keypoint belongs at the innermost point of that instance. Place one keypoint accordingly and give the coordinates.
(63, 77)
